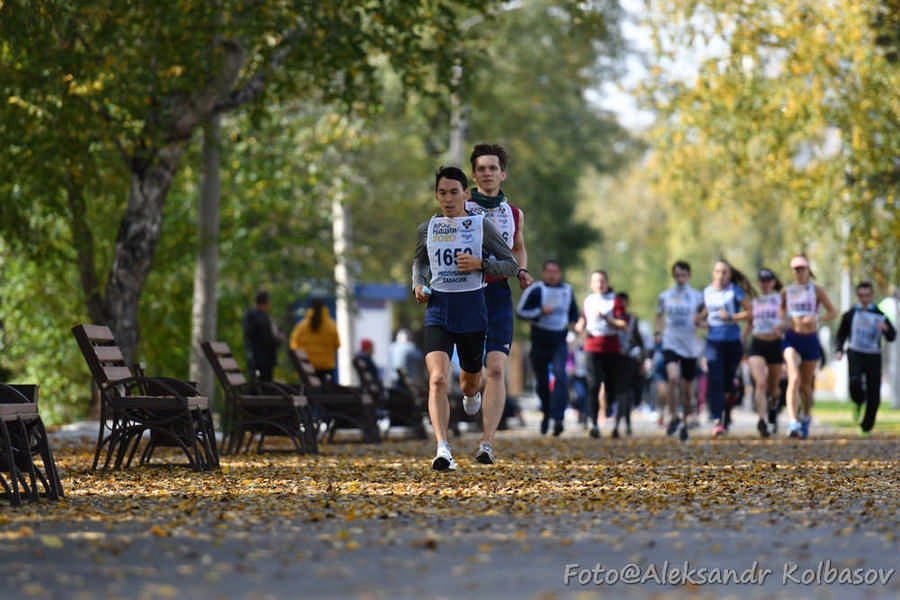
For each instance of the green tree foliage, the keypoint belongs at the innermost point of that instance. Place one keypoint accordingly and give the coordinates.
(279, 175)
(138, 78)
(794, 114)
(100, 101)
(530, 69)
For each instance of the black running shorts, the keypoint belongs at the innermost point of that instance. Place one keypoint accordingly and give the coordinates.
(688, 365)
(768, 349)
(469, 346)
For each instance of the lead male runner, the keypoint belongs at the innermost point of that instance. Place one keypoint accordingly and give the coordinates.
(454, 252)
(489, 171)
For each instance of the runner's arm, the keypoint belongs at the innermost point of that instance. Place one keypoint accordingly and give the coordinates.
(530, 303)
(843, 331)
(520, 253)
(421, 273)
(830, 311)
(659, 323)
(574, 312)
(890, 334)
(502, 262)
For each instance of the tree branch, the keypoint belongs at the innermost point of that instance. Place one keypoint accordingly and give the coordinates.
(255, 85)
(110, 120)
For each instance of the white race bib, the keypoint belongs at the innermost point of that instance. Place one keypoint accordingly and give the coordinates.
(865, 332)
(445, 238)
(801, 300)
(502, 218)
(765, 314)
(559, 298)
(595, 308)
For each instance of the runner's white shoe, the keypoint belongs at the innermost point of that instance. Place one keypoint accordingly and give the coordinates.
(472, 404)
(443, 461)
(485, 454)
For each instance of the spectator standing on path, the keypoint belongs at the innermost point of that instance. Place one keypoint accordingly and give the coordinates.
(599, 321)
(488, 163)
(864, 325)
(550, 306)
(261, 338)
(454, 252)
(725, 302)
(677, 331)
(405, 355)
(317, 334)
(800, 304)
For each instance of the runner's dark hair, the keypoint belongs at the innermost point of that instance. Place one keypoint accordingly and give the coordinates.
(317, 306)
(489, 150)
(681, 264)
(451, 173)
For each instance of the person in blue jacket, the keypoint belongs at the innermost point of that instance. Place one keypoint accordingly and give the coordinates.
(550, 306)
(861, 329)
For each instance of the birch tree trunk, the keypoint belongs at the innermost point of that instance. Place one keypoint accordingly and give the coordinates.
(204, 312)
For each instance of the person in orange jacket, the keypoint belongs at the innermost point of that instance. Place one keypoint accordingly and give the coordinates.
(317, 334)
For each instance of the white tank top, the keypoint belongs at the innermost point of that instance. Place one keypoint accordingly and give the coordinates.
(560, 298)
(446, 237)
(801, 300)
(594, 306)
(765, 313)
(865, 333)
(678, 308)
(502, 217)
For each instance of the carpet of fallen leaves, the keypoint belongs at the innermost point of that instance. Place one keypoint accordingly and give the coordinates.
(356, 498)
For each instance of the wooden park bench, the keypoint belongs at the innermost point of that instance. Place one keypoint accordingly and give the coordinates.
(337, 406)
(259, 408)
(402, 406)
(22, 438)
(131, 404)
(457, 413)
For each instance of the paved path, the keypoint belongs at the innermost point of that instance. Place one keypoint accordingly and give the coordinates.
(569, 517)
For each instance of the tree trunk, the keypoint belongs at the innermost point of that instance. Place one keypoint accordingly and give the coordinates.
(84, 246)
(343, 282)
(203, 318)
(136, 244)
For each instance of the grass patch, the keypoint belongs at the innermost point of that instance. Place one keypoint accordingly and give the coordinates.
(840, 414)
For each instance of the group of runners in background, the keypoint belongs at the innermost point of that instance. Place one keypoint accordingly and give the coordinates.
(465, 255)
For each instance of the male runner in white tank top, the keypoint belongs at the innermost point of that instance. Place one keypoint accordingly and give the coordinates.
(454, 252)
(489, 172)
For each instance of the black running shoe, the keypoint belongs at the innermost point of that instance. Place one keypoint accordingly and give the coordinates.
(673, 426)
(763, 429)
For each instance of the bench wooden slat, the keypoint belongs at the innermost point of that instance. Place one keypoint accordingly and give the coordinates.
(11, 412)
(229, 364)
(114, 374)
(108, 353)
(236, 378)
(98, 333)
(220, 348)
